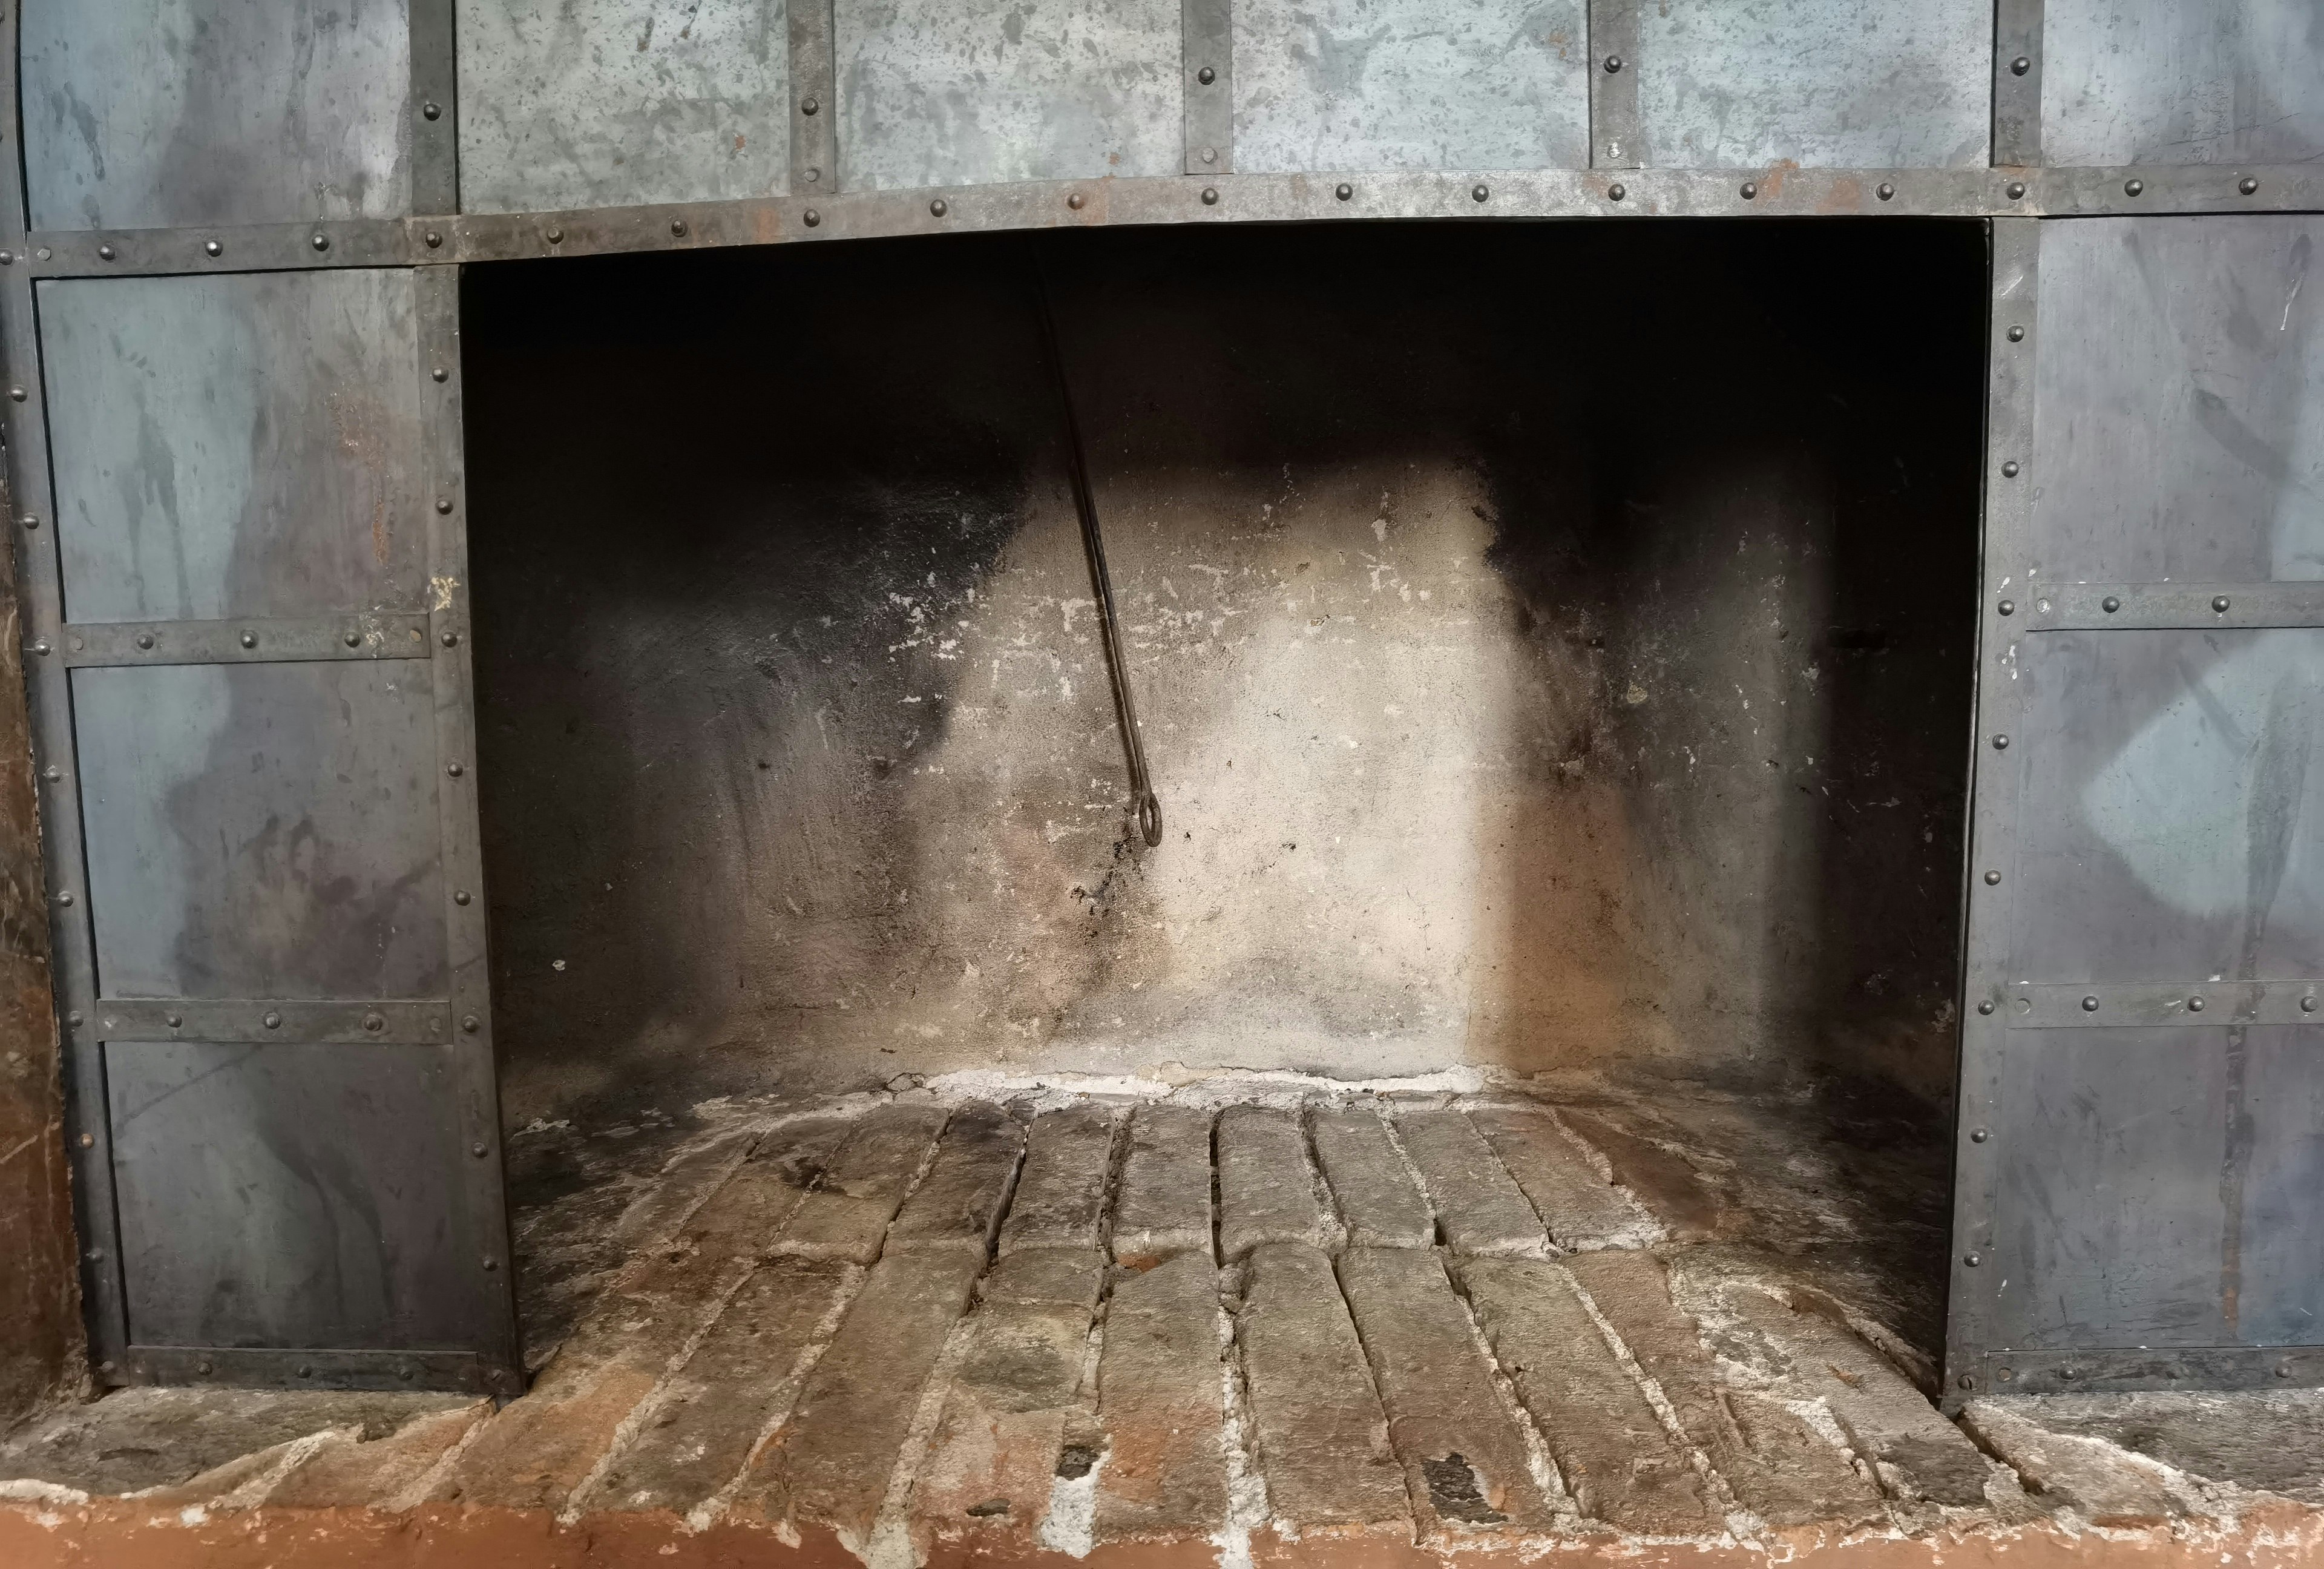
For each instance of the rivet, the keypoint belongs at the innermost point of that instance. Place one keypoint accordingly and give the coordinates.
(2194, 1005)
(173, 1020)
(41, 647)
(469, 1022)
(1210, 155)
(105, 1366)
(2017, 335)
(1969, 1380)
(351, 638)
(1992, 879)
(1886, 192)
(17, 394)
(145, 640)
(939, 207)
(443, 504)
(432, 111)
(2065, 1372)
(2009, 470)
(88, 1140)
(2089, 1005)
(31, 520)
(250, 640)
(1750, 189)
(814, 175)
(2283, 1369)
(2220, 604)
(450, 639)
(439, 375)
(105, 252)
(2134, 187)
(2016, 191)
(44, 254)
(212, 248)
(1478, 192)
(2249, 187)
(461, 896)
(2020, 66)
(479, 1149)
(203, 1367)
(321, 242)
(72, 1019)
(1345, 191)
(1972, 1260)
(2110, 604)
(8, 258)
(453, 769)
(2001, 744)
(811, 217)
(1617, 192)
(272, 1021)
(2005, 1374)
(1986, 1006)
(491, 1264)
(305, 1370)
(2007, 608)
(678, 227)
(1206, 76)
(555, 237)
(1074, 201)
(810, 106)
(1210, 196)
(2308, 1005)
(373, 1023)
(1979, 1135)
(403, 1373)
(1613, 63)
(54, 773)
(434, 239)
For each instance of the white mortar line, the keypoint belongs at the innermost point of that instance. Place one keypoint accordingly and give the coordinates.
(1247, 1503)
(890, 1545)
(1539, 1463)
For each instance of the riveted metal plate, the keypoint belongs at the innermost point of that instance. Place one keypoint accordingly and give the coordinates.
(371, 1021)
(1613, 67)
(2017, 82)
(974, 92)
(315, 1370)
(294, 1196)
(2084, 1004)
(623, 102)
(432, 109)
(154, 114)
(1206, 84)
(216, 248)
(272, 421)
(1403, 84)
(245, 643)
(1768, 84)
(2176, 436)
(2204, 1367)
(2094, 606)
(264, 830)
(2197, 81)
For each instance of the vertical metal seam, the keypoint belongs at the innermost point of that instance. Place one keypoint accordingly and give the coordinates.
(1996, 772)
(466, 951)
(1614, 132)
(814, 97)
(435, 84)
(1206, 33)
(2016, 95)
(39, 574)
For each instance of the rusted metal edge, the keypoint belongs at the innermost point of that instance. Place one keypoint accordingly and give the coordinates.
(460, 1371)
(256, 641)
(1616, 140)
(2130, 1368)
(288, 1021)
(2017, 83)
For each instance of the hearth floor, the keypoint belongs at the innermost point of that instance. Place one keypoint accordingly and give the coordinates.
(915, 1328)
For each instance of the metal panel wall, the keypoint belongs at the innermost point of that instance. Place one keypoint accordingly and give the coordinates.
(2216, 81)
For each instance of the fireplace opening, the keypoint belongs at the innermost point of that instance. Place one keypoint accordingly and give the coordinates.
(1553, 645)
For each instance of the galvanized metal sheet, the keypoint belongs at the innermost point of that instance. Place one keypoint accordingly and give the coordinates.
(969, 92)
(2178, 381)
(264, 830)
(2171, 822)
(231, 446)
(1871, 84)
(2196, 81)
(613, 103)
(1406, 84)
(293, 1196)
(2158, 1186)
(150, 114)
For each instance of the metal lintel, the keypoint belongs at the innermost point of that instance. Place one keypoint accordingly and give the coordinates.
(2079, 1004)
(814, 99)
(2199, 1367)
(252, 248)
(361, 636)
(434, 107)
(1208, 29)
(299, 1021)
(1615, 138)
(2017, 83)
(462, 1371)
(2144, 606)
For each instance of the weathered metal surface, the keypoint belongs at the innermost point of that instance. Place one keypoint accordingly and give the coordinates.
(432, 108)
(235, 446)
(308, 1368)
(2017, 82)
(148, 114)
(2171, 825)
(2175, 428)
(224, 248)
(2159, 1188)
(2098, 1372)
(1356, 84)
(369, 1021)
(251, 641)
(293, 1196)
(1820, 83)
(2068, 1004)
(2087, 606)
(2201, 81)
(813, 98)
(1613, 60)
(613, 103)
(1206, 84)
(941, 93)
(264, 830)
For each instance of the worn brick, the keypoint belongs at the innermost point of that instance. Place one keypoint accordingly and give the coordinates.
(1581, 1209)
(377, 1472)
(830, 1464)
(1617, 1459)
(958, 1204)
(1164, 1205)
(1478, 1206)
(2106, 1484)
(1779, 1468)
(1464, 1459)
(1321, 1432)
(1061, 1191)
(1266, 1192)
(689, 1177)
(1379, 1203)
(1160, 1404)
(1667, 1184)
(845, 1214)
(708, 1415)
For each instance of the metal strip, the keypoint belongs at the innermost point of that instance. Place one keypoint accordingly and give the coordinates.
(2146, 607)
(2199, 1367)
(317, 1370)
(463, 847)
(1995, 778)
(434, 109)
(815, 99)
(259, 248)
(1208, 29)
(362, 636)
(2087, 1004)
(2016, 83)
(1616, 140)
(263, 1020)
(23, 424)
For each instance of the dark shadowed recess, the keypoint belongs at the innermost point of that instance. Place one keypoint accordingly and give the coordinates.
(1723, 459)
